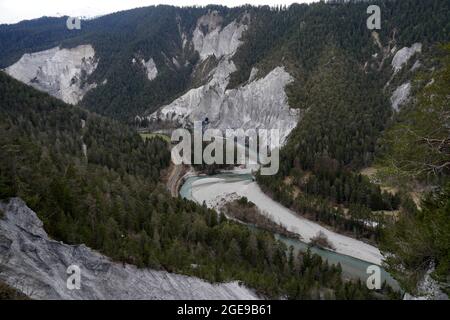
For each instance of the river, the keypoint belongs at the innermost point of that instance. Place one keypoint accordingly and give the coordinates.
(211, 188)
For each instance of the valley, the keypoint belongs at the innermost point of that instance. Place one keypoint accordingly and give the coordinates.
(216, 190)
(361, 165)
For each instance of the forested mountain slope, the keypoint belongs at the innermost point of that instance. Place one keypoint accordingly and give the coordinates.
(165, 38)
(415, 154)
(111, 201)
(347, 100)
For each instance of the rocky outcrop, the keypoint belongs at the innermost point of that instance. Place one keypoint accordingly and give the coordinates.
(59, 72)
(36, 265)
(428, 289)
(209, 38)
(258, 104)
(403, 55)
(151, 69)
(400, 96)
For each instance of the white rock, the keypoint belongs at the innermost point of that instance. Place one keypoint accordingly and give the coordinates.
(400, 96)
(175, 62)
(57, 71)
(213, 190)
(84, 149)
(261, 104)
(151, 69)
(216, 41)
(428, 289)
(198, 99)
(403, 55)
(253, 74)
(416, 65)
(184, 40)
(37, 265)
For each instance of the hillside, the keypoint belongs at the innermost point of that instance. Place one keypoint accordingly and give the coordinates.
(167, 38)
(363, 118)
(111, 201)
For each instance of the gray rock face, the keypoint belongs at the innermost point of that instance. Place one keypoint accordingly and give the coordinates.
(400, 96)
(150, 68)
(403, 55)
(37, 266)
(216, 41)
(59, 72)
(428, 289)
(259, 104)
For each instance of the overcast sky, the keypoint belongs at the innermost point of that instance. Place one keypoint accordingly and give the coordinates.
(12, 11)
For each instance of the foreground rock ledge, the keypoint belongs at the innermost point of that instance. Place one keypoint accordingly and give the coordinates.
(36, 265)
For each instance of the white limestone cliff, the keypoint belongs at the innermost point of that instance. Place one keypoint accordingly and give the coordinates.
(59, 72)
(403, 55)
(36, 265)
(259, 104)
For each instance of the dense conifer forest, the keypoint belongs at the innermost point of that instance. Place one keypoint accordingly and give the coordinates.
(112, 201)
(298, 36)
(112, 198)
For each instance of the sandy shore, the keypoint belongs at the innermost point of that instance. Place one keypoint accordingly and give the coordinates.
(213, 189)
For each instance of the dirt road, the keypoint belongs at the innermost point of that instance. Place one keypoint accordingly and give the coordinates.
(174, 179)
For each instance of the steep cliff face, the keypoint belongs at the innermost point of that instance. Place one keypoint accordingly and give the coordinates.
(60, 72)
(216, 41)
(37, 266)
(260, 103)
(400, 95)
(403, 55)
(428, 289)
(149, 67)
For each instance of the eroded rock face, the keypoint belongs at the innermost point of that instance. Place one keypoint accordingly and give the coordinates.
(151, 69)
(59, 72)
(403, 55)
(400, 96)
(37, 266)
(210, 39)
(259, 104)
(428, 288)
